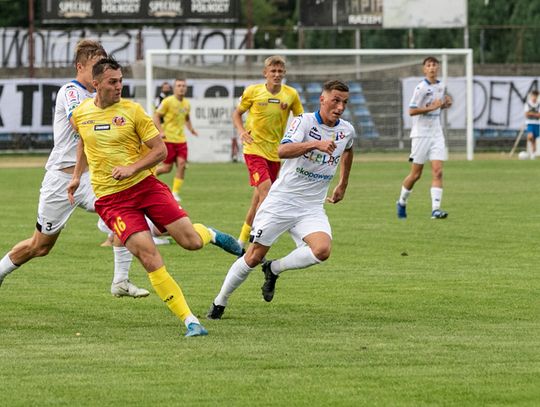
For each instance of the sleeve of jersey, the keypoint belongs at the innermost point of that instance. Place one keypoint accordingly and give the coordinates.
(297, 107)
(162, 108)
(144, 126)
(75, 116)
(295, 132)
(246, 99)
(416, 97)
(70, 99)
(351, 140)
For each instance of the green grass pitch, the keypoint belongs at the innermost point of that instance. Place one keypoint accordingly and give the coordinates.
(455, 322)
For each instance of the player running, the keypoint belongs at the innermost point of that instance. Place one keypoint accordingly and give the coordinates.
(313, 147)
(54, 208)
(113, 131)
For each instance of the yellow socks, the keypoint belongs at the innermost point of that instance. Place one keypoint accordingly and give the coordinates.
(244, 233)
(169, 291)
(176, 185)
(203, 232)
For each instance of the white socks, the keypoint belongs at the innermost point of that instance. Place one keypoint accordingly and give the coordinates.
(191, 318)
(122, 263)
(404, 195)
(299, 258)
(237, 274)
(436, 198)
(6, 266)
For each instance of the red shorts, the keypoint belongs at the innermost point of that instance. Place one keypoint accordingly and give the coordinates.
(124, 211)
(175, 150)
(260, 169)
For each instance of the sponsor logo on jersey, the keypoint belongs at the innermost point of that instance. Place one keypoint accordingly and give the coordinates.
(99, 127)
(89, 122)
(321, 158)
(273, 101)
(118, 120)
(313, 175)
(314, 133)
(72, 96)
(294, 126)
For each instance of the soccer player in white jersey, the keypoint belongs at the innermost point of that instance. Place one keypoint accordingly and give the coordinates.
(54, 207)
(312, 148)
(427, 139)
(532, 120)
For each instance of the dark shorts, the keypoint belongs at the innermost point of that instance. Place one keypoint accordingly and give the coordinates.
(175, 150)
(534, 129)
(260, 169)
(124, 211)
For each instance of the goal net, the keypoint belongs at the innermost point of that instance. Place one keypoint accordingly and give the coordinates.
(381, 83)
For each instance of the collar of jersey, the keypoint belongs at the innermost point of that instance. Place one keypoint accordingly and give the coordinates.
(319, 118)
(76, 82)
(429, 83)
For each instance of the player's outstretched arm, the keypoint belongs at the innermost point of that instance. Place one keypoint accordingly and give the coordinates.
(344, 171)
(80, 167)
(158, 152)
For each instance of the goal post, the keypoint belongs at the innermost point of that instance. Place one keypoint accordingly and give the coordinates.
(379, 79)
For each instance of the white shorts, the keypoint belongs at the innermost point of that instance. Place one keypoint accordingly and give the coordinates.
(270, 223)
(54, 208)
(427, 148)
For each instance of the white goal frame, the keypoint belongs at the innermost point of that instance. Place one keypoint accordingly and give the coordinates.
(442, 53)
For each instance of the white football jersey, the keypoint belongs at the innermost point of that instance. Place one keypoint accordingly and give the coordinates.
(64, 152)
(427, 124)
(304, 180)
(532, 107)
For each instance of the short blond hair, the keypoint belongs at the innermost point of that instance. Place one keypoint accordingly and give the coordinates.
(88, 49)
(274, 60)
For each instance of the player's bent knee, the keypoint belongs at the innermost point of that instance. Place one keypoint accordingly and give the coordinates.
(39, 246)
(253, 259)
(322, 253)
(195, 243)
(41, 250)
(150, 261)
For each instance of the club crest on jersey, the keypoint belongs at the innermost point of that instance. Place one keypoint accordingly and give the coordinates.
(314, 133)
(284, 105)
(118, 121)
(340, 136)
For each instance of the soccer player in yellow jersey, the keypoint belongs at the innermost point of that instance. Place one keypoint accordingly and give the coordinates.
(174, 112)
(112, 131)
(54, 209)
(269, 105)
